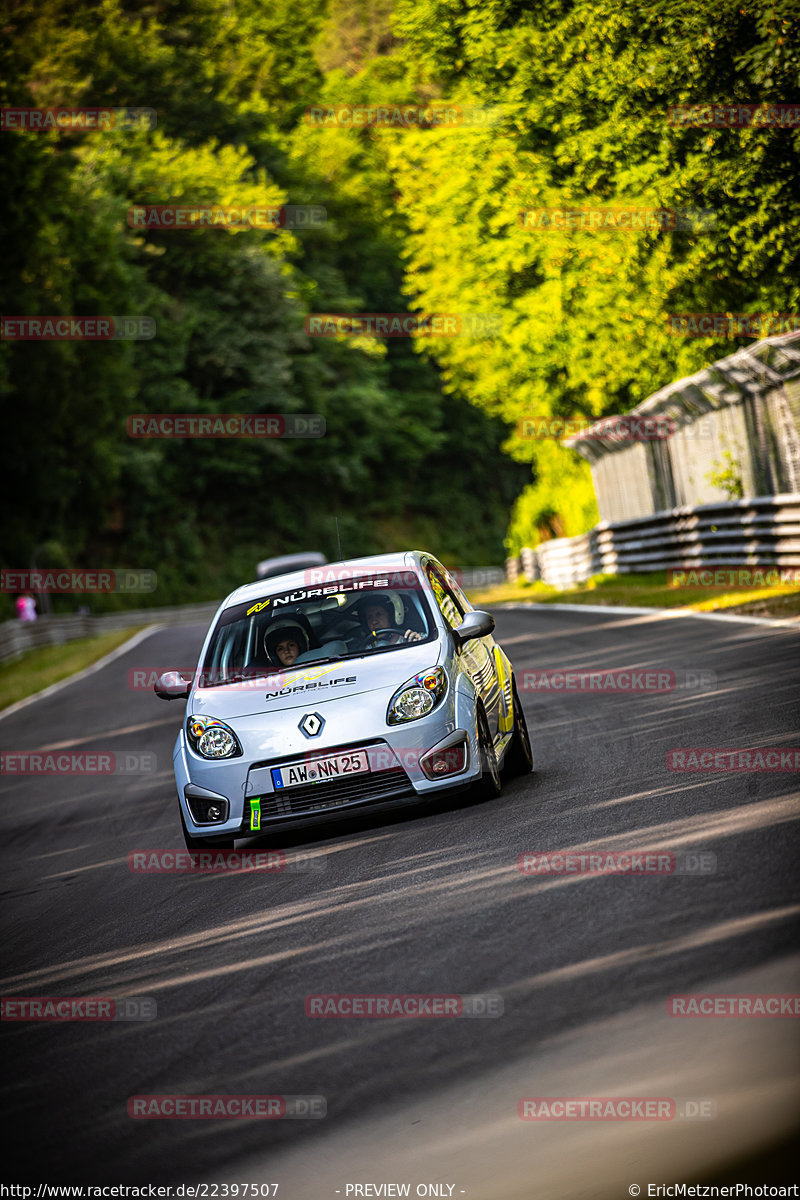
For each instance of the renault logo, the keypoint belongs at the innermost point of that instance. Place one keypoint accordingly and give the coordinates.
(311, 725)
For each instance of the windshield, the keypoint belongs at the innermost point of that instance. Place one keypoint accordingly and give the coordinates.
(345, 618)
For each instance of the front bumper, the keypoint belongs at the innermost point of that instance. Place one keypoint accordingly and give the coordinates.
(265, 806)
(396, 777)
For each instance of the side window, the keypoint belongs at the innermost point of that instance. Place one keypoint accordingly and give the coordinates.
(461, 600)
(449, 606)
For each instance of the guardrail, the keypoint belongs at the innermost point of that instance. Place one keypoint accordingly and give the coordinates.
(478, 577)
(763, 531)
(18, 636)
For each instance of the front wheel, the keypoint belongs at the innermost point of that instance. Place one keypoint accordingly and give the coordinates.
(488, 784)
(519, 756)
(204, 843)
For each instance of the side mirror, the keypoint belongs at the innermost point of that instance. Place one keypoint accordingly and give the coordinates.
(172, 686)
(476, 624)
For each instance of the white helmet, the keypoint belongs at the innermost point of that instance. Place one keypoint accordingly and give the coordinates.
(290, 625)
(391, 601)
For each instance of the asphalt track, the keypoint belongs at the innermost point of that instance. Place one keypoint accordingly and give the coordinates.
(420, 902)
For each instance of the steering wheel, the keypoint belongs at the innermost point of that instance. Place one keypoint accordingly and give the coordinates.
(381, 637)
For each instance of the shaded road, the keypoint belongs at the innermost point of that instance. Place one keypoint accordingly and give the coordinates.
(422, 902)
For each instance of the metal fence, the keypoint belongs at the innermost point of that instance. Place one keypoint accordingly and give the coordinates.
(16, 637)
(739, 416)
(764, 531)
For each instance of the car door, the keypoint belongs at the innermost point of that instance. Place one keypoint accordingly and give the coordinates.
(502, 664)
(476, 658)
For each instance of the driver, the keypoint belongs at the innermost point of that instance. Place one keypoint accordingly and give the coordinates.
(382, 616)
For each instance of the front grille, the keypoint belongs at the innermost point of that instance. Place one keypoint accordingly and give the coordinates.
(317, 797)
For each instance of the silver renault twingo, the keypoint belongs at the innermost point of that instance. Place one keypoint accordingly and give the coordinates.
(346, 687)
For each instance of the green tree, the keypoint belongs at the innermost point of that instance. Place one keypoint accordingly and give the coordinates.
(230, 87)
(585, 93)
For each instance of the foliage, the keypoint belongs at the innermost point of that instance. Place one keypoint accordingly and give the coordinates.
(727, 476)
(586, 90)
(424, 443)
(230, 85)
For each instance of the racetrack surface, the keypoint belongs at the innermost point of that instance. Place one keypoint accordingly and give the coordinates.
(423, 901)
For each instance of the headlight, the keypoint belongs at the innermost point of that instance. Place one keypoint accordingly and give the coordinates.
(212, 738)
(417, 697)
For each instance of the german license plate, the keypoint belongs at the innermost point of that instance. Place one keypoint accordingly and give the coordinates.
(319, 770)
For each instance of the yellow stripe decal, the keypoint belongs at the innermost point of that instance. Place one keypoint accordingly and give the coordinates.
(506, 721)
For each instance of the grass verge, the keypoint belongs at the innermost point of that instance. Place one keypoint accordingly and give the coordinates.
(650, 591)
(38, 669)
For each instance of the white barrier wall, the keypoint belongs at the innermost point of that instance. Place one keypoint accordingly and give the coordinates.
(746, 406)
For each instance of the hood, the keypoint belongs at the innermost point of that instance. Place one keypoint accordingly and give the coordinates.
(315, 682)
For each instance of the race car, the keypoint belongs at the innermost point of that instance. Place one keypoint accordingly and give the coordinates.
(353, 686)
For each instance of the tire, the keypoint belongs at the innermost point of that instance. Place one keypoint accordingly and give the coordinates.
(204, 843)
(519, 756)
(488, 785)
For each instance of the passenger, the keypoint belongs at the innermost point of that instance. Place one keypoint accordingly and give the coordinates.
(287, 651)
(286, 638)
